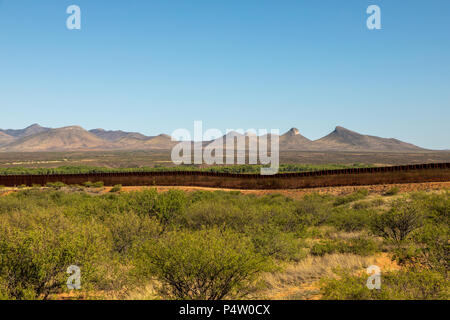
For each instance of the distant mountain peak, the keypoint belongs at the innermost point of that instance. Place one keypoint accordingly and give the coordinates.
(233, 134)
(30, 130)
(70, 128)
(342, 129)
(116, 135)
(34, 125)
(343, 139)
(72, 138)
(292, 132)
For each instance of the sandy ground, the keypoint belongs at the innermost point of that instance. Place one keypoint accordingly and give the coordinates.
(298, 193)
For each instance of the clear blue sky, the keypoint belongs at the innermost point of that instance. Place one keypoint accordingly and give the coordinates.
(155, 66)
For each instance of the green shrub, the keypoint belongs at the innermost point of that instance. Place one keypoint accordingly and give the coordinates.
(55, 185)
(351, 220)
(88, 184)
(361, 205)
(240, 213)
(377, 202)
(206, 264)
(314, 209)
(116, 188)
(129, 230)
(435, 206)
(392, 191)
(358, 195)
(245, 168)
(35, 253)
(215, 213)
(98, 184)
(360, 246)
(429, 248)
(270, 241)
(169, 205)
(397, 223)
(401, 285)
(322, 248)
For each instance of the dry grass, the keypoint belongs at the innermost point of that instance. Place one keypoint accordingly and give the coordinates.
(148, 292)
(300, 280)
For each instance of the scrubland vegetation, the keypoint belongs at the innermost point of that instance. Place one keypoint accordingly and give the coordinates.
(221, 245)
(157, 168)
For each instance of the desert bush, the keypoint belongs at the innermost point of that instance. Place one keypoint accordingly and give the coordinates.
(214, 213)
(165, 206)
(397, 223)
(401, 285)
(359, 246)
(129, 230)
(207, 264)
(436, 207)
(141, 202)
(351, 219)
(98, 184)
(35, 253)
(377, 202)
(361, 205)
(245, 168)
(314, 209)
(429, 248)
(90, 184)
(168, 205)
(358, 195)
(55, 185)
(116, 188)
(240, 213)
(41, 230)
(322, 248)
(270, 241)
(392, 191)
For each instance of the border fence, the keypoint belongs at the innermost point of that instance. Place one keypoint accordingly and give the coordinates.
(431, 172)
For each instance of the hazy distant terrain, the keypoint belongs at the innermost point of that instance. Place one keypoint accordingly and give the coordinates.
(151, 158)
(74, 138)
(37, 139)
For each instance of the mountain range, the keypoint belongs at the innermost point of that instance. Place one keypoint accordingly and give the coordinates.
(36, 138)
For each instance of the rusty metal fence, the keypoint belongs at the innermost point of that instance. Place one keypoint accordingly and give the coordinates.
(214, 178)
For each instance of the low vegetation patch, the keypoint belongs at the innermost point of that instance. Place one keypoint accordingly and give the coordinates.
(284, 168)
(219, 245)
